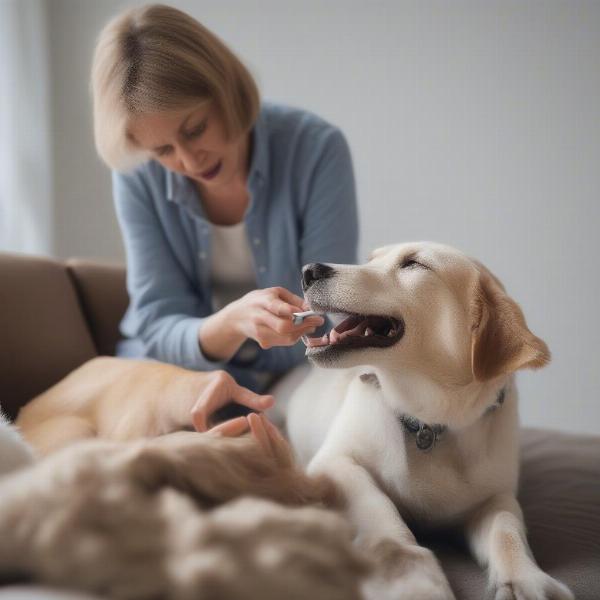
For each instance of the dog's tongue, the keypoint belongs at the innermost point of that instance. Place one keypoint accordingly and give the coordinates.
(334, 336)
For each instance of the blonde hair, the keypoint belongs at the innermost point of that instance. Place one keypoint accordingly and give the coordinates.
(156, 58)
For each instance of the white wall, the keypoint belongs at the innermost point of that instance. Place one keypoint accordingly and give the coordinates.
(26, 166)
(471, 123)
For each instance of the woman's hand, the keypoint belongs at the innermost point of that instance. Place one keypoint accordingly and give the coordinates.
(268, 438)
(262, 315)
(220, 390)
(266, 316)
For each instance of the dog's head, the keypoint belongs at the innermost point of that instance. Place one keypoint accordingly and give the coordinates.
(422, 312)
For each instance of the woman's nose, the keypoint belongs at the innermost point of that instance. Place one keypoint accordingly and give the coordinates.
(189, 160)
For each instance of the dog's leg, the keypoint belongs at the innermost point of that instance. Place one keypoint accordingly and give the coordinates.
(111, 398)
(404, 570)
(496, 533)
(52, 434)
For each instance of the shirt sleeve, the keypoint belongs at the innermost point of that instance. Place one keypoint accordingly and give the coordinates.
(164, 307)
(329, 223)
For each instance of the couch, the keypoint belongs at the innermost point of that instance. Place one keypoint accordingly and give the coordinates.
(56, 315)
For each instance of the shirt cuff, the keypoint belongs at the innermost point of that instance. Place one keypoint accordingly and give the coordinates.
(195, 357)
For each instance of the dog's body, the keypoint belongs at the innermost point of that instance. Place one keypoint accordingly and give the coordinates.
(111, 398)
(15, 453)
(468, 466)
(426, 358)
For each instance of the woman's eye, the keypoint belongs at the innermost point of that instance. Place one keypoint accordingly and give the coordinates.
(197, 130)
(165, 151)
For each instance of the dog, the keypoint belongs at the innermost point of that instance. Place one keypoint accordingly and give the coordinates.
(15, 453)
(110, 398)
(417, 422)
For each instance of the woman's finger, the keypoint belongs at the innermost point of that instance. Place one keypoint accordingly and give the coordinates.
(280, 327)
(291, 298)
(248, 398)
(279, 444)
(259, 433)
(199, 419)
(279, 308)
(277, 325)
(231, 428)
(272, 430)
(214, 396)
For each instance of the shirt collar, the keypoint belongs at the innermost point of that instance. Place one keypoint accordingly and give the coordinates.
(177, 184)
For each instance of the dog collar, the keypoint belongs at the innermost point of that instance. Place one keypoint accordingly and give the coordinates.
(427, 435)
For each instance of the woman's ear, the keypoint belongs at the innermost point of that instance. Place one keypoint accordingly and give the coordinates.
(501, 343)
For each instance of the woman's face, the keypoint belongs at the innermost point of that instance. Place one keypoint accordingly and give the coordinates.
(193, 142)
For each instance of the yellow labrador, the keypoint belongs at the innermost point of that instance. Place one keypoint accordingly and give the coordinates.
(122, 399)
(418, 422)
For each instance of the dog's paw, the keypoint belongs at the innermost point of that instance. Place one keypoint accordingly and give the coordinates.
(535, 586)
(406, 573)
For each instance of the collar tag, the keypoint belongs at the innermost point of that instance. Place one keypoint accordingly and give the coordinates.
(425, 438)
(425, 435)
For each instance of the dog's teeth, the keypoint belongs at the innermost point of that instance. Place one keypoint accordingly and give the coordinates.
(369, 331)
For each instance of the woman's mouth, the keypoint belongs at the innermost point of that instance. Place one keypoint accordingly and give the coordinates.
(212, 172)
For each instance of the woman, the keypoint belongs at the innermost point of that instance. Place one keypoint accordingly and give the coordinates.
(221, 199)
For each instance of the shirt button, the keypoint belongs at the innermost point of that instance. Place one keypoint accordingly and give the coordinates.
(262, 269)
(256, 241)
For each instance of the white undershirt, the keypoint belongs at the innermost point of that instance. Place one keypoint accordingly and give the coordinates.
(232, 266)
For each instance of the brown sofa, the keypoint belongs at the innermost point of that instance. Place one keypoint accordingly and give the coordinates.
(54, 316)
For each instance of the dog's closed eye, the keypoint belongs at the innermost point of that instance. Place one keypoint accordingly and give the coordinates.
(410, 263)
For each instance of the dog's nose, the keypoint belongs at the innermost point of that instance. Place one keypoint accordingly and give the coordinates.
(313, 272)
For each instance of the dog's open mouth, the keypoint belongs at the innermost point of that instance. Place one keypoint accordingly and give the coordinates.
(360, 331)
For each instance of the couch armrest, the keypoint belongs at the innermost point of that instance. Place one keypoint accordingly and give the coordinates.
(44, 335)
(103, 297)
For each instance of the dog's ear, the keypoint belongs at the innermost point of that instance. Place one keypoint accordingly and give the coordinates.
(501, 343)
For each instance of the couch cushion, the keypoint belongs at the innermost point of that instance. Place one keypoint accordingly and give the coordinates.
(560, 495)
(44, 333)
(103, 296)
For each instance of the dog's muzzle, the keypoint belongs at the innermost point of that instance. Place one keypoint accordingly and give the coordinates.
(315, 272)
(356, 330)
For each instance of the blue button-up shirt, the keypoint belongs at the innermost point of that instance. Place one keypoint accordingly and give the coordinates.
(302, 209)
